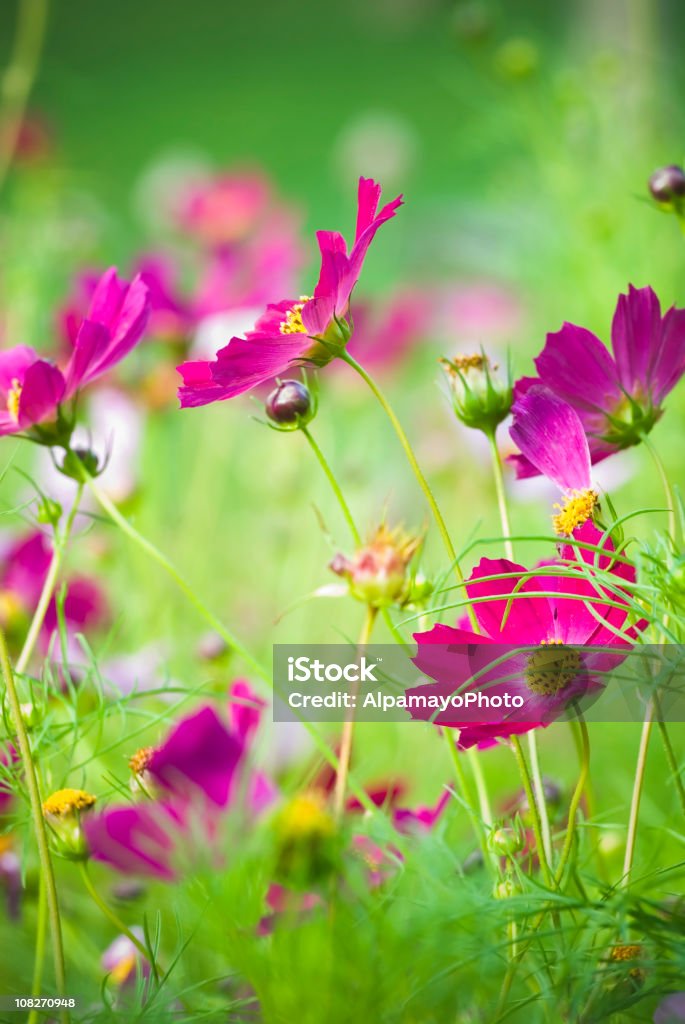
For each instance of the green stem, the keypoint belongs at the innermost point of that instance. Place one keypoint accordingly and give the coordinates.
(168, 566)
(477, 821)
(344, 507)
(115, 920)
(348, 725)
(535, 815)
(575, 799)
(19, 77)
(672, 761)
(60, 545)
(539, 790)
(38, 822)
(39, 955)
(416, 469)
(335, 487)
(481, 786)
(666, 484)
(637, 794)
(498, 475)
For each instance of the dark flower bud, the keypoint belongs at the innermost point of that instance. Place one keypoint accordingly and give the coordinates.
(667, 185)
(76, 460)
(290, 405)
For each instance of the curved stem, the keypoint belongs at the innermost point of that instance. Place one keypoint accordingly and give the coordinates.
(335, 487)
(535, 815)
(416, 469)
(168, 566)
(575, 799)
(672, 760)
(38, 619)
(348, 725)
(345, 509)
(19, 77)
(116, 921)
(39, 826)
(637, 794)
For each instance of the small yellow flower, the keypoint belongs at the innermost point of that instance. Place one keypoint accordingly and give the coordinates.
(67, 802)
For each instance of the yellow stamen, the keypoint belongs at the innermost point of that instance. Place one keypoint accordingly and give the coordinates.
(627, 952)
(551, 668)
(292, 322)
(140, 760)
(124, 969)
(577, 510)
(464, 363)
(305, 816)
(13, 397)
(67, 801)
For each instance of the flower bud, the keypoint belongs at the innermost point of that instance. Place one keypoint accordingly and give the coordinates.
(506, 841)
(63, 811)
(49, 512)
(78, 459)
(505, 889)
(291, 405)
(480, 399)
(141, 780)
(307, 841)
(377, 573)
(667, 186)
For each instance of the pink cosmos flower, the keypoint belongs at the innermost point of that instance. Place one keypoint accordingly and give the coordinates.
(33, 391)
(23, 570)
(550, 436)
(294, 332)
(191, 781)
(618, 397)
(552, 670)
(223, 208)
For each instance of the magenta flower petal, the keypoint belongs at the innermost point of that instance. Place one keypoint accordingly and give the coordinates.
(138, 840)
(549, 433)
(578, 368)
(14, 363)
(498, 613)
(42, 391)
(649, 349)
(245, 710)
(243, 365)
(198, 759)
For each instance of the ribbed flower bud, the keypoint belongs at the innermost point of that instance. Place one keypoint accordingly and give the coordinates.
(378, 572)
(480, 397)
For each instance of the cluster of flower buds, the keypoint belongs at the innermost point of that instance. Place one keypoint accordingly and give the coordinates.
(480, 397)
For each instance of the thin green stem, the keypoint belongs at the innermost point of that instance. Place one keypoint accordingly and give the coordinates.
(672, 761)
(335, 487)
(575, 800)
(116, 921)
(666, 484)
(534, 811)
(39, 826)
(39, 953)
(345, 509)
(19, 77)
(498, 476)
(416, 469)
(637, 794)
(481, 786)
(60, 545)
(168, 566)
(348, 725)
(479, 826)
(540, 797)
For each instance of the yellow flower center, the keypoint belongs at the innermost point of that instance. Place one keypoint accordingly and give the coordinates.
(551, 668)
(292, 322)
(463, 364)
(66, 802)
(140, 760)
(577, 510)
(13, 397)
(627, 952)
(305, 816)
(124, 969)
